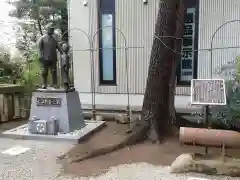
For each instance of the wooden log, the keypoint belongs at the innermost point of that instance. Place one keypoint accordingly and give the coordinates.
(25, 103)
(209, 137)
(6, 107)
(17, 105)
(9, 101)
(10, 88)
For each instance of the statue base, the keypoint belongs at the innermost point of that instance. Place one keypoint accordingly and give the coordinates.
(55, 115)
(55, 111)
(75, 137)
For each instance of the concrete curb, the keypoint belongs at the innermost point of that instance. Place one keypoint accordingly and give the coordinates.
(66, 138)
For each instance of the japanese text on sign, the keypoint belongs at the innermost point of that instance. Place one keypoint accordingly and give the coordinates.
(41, 101)
(208, 92)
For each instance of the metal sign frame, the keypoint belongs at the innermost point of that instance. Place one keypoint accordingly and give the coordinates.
(213, 103)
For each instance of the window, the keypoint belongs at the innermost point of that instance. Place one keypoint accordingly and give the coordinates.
(107, 53)
(187, 69)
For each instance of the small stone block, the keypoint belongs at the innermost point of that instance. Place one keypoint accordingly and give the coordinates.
(43, 127)
(98, 118)
(121, 118)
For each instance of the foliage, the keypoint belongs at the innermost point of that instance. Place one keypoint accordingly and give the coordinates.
(4, 55)
(228, 116)
(31, 73)
(35, 15)
(27, 36)
(47, 11)
(7, 66)
(238, 67)
(25, 71)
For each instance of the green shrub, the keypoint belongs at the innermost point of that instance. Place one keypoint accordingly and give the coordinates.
(31, 73)
(229, 115)
(238, 67)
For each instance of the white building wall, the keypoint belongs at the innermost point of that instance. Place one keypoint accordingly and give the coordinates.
(137, 22)
(213, 14)
(79, 41)
(130, 15)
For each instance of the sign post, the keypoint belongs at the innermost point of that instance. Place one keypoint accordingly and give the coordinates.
(208, 92)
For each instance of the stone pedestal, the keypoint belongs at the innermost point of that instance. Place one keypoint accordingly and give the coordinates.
(55, 105)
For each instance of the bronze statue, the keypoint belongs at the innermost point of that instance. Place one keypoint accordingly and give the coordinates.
(65, 66)
(48, 47)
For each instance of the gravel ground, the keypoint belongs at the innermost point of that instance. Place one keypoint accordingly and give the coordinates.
(143, 171)
(39, 163)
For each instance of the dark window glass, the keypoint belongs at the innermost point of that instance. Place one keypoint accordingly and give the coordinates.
(107, 53)
(107, 5)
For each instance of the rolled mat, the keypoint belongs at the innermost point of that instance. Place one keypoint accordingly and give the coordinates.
(209, 137)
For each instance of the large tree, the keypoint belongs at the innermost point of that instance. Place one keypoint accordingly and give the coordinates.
(158, 112)
(158, 104)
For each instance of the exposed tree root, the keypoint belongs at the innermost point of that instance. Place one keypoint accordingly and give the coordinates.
(136, 134)
(139, 132)
(182, 122)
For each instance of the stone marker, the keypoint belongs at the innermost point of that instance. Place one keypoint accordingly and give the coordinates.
(207, 164)
(55, 111)
(98, 118)
(182, 163)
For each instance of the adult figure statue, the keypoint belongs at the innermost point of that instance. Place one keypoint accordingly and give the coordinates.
(48, 47)
(65, 66)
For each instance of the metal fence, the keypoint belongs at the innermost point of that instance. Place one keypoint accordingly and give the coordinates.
(216, 61)
(219, 60)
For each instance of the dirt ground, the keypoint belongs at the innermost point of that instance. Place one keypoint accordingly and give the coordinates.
(163, 154)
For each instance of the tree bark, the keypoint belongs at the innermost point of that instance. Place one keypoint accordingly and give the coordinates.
(64, 24)
(156, 104)
(39, 26)
(177, 59)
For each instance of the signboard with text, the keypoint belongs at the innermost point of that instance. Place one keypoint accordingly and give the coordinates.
(208, 92)
(42, 101)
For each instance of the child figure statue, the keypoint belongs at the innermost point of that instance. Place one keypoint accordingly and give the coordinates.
(65, 65)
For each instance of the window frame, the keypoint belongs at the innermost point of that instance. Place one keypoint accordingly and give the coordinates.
(103, 11)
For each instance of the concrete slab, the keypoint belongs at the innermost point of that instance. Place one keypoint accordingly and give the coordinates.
(21, 132)
(115, 102)
(16, 150)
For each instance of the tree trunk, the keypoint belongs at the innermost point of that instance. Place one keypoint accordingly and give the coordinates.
(162, 64)
(35, 15)
(177, 57)
(39, 27)
(64, 24)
